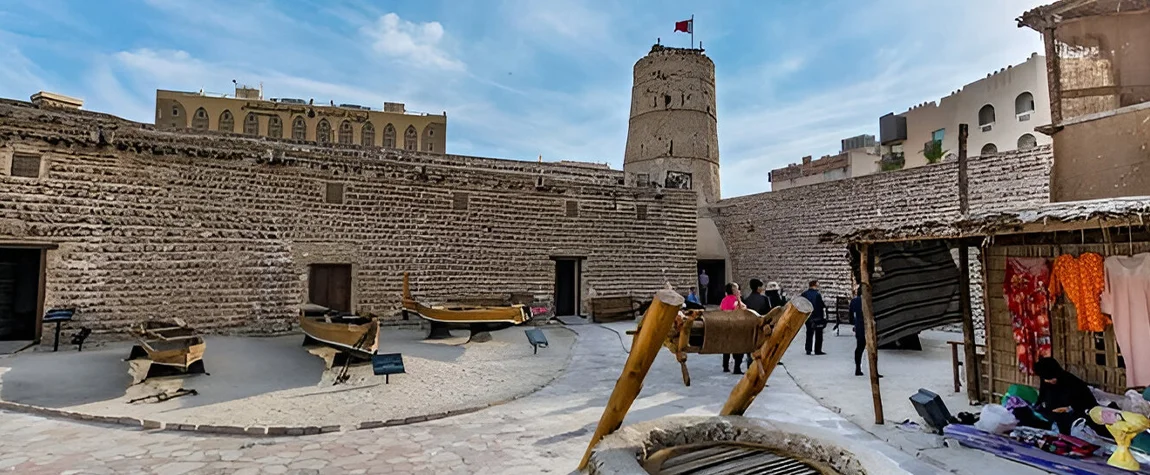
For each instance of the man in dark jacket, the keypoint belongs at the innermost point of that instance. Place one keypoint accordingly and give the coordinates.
(860, 330)
(756, 300)
(774, 296)
(817, 321)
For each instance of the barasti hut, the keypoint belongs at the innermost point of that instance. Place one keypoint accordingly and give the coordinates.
(1069, 280)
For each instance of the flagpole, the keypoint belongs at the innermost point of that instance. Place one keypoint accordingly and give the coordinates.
(692, 31)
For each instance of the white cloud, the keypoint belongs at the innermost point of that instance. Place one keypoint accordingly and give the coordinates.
(417, 44)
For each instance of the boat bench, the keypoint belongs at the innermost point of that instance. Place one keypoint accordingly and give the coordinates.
(614, 309)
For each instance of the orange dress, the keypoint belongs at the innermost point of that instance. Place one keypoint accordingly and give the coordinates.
(1083, 279)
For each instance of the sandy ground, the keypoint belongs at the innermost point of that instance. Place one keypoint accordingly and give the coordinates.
(274, 381)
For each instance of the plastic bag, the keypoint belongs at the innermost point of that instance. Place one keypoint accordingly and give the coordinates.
(1082, 431)
(996, 420)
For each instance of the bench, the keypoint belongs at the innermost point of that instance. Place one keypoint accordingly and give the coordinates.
(614, 309)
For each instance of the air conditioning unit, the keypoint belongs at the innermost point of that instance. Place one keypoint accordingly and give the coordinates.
(987, 128)
(1024, 117)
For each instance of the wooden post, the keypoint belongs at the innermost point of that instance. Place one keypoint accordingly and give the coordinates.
(871, 333)
(653, 331)
(972, 380)
(963, 180)
(1053, 75)
(766, 359)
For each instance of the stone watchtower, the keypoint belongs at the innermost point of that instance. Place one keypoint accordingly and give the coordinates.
(673, 139)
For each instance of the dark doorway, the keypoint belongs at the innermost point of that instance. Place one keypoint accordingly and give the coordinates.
(19, 293)
(567, 276)
(716, 270)
(329, 285)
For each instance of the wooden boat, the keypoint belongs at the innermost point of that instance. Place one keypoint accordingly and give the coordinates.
(172, 345)
(352, 334)
(478, 319)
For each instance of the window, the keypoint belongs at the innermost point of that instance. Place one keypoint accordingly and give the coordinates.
(25, 165)
(938, 135)
(410, 138)
(1024, 104)
(989, 149)
(299, 129)
(200, 120)
(323, 131)
(227, 122)
(1027, 141)
(459, 201)
(986, 115)
(428, 133)
(275, 127)
(175, 111)
(641, 212)
(251, 124)
(345, 135)
(642, 180)
(334, 193)
(572, 209)
(678, 180)
(389, 136)
(367, 135)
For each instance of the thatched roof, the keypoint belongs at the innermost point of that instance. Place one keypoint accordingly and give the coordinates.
(1109, 212)
(1047, 16)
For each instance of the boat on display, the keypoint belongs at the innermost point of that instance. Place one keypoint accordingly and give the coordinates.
(165, 348)
(477, 319)
(347, 333)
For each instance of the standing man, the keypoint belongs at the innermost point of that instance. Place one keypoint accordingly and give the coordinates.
(860, 330)
(774, 296)
(817, 320)
(756, 300)
(704, 284)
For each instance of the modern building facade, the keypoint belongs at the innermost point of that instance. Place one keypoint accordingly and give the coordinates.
(248, 113)
(1002, 111)
(858, 157)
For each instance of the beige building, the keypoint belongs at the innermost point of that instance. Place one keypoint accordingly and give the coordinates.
(249, 113)
(857, 158)
(1001, 109)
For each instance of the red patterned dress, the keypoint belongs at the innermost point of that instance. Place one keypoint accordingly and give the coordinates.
(1026, 290)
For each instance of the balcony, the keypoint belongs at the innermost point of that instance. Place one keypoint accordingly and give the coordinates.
(892, 161)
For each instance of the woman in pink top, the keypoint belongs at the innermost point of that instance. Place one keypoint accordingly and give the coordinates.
(732, 301)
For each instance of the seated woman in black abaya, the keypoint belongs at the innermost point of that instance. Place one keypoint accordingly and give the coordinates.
(1062, 398)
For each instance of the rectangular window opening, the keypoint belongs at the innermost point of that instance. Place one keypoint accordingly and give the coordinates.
(26, 165)
(641, 212)
(335, 193)
(572, 209)
(459, 201)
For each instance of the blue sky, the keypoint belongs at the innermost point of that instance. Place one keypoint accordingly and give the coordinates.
(523, 78)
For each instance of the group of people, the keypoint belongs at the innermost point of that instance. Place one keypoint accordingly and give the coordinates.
(762, 299)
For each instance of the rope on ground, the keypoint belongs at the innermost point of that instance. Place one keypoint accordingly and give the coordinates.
(612, 330)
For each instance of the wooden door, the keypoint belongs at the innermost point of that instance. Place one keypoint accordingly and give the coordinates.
(567, 286)
(329, 285)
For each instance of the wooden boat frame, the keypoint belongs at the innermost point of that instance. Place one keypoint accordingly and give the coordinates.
(171, 344)
(356, 335)
(475, 318)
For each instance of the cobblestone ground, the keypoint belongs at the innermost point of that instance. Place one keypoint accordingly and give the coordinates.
(542, 433)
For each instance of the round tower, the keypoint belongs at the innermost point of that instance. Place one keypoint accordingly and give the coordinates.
(673, 138)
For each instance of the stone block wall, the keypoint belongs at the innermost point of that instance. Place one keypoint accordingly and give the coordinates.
(775, 236)
(220, 229)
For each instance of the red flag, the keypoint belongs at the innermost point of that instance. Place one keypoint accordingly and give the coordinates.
(685, 26)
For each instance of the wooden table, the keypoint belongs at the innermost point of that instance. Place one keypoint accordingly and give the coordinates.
(955, 363)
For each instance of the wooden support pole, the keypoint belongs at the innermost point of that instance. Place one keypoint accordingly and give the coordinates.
(963, 166)
(971, 365)
(767, 357)
(871, 333)
(653, 332)
(1053, 75)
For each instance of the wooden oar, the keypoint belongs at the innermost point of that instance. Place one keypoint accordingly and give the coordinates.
(768, 356)
(655, 326)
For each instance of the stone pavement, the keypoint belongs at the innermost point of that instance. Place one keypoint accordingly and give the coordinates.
(542, 433)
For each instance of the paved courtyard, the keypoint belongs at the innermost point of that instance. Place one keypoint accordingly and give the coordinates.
(542, 433)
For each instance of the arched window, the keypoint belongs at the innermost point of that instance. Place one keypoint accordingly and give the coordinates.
(411, 138)
(200, 120)
(275, 127)
(389, 136)
(1027, 141)
(367, 135)
(299, 129)
(986, 115)
(251, 124)
(227, 122)
(428, 134)
(345, 134)
(323, 131)
(989, 149)
(1024, 104)
(176, 118)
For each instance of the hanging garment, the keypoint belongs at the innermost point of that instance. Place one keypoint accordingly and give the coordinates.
(1127, 300)
(1025, 287)
(1083, 279)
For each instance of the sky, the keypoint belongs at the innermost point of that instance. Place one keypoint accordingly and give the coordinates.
(524, 78)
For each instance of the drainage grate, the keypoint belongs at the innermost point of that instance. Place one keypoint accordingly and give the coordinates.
(726, 459)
